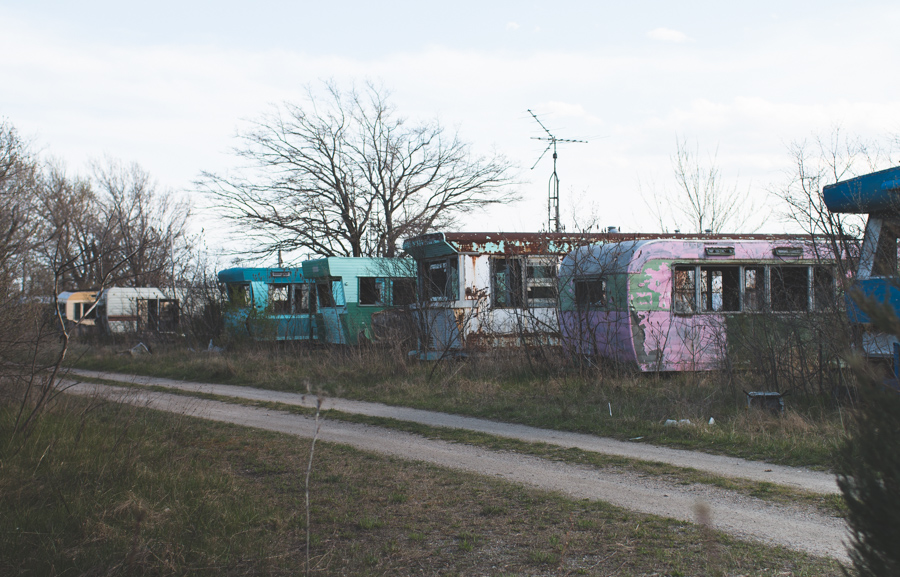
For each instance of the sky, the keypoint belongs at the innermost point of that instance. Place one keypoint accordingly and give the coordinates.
(169, 84)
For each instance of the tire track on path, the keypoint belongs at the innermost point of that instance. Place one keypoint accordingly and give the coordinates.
(744, 517)
(793, 477)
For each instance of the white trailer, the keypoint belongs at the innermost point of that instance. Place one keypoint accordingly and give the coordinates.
(138, 309)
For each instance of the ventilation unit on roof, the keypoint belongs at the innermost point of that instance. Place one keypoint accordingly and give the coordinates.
(788, 251)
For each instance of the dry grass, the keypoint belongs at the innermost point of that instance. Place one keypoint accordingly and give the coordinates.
(176, 496)
(507, 387)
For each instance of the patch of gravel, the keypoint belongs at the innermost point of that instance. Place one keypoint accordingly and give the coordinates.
(799, 528)
(723, 466)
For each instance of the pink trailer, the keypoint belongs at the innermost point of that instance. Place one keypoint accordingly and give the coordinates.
(670, 304)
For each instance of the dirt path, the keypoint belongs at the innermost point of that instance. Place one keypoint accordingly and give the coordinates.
(796, 478)
(745, 517)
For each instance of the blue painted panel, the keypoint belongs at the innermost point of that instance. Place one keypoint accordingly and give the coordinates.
(882, 290)
(874, 192)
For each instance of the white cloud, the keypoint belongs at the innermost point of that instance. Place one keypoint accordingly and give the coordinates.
(512, 25)
(667, 35)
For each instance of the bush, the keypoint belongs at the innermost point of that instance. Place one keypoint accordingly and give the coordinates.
(869, 478)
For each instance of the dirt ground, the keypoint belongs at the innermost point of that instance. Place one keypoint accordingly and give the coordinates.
(796, 527)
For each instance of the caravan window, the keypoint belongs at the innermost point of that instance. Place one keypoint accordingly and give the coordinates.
(754, 288)
(403, 291)
(790, 288)
(325, 294)
(506, 282)
(279, 299)
(685, 289)
(720, 288)
(239, 294)
(540, 279)
(440, 279)
(824, 288)
(302, 302)
(590, 293)
(372, 290)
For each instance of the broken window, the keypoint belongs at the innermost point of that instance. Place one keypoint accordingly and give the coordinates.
(720, 289)
(239, 294)
(507, 282)
(324, 295)
(279, 302)
(590, 293)
(824, 288)
(440, 279)
(684, 281)
(302, 303)
(403, 291)
(372, 290)
(540, 282)
(754, 288)
(790, 288)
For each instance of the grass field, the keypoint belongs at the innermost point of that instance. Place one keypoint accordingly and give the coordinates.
(609, 402)
(104, 489)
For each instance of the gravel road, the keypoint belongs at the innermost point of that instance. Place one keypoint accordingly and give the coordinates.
(795, 527)
(723, 466)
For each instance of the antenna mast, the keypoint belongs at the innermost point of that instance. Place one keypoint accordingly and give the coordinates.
(553, 185)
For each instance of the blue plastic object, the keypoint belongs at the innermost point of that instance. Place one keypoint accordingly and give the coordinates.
(870, 193)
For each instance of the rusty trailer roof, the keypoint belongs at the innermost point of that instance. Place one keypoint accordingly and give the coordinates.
(548, 243)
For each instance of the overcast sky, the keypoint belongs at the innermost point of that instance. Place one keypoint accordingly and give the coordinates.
(167, 84)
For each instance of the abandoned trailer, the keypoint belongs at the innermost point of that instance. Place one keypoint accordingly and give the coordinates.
(281, 293)
(329, 300)
(877, 277)
(485, 290)
(119, 310)
(77, 308)
(352, 291)
(673, 304)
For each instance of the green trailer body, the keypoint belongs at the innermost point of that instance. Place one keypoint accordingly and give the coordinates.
(351, 290)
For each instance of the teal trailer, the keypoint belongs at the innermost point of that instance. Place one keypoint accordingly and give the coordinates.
(269, 304)
(351, 292)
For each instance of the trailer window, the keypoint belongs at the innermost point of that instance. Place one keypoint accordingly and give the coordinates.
(754, 288)
(719, 289)
(507, 282)
(279, 302)
(403, 291)
(372, 290)
(824, 288)
(790, 288)
(684, 283)
(301, 299)
(239, 294)
(440, 279)
(590, 293)
(540, 279)
(324, 294)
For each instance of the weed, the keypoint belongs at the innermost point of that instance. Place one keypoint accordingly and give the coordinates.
(538, 557)
(369, 523)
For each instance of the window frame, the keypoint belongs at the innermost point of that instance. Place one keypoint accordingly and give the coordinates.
(764, 288)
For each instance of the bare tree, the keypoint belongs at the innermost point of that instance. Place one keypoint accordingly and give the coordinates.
(148, 226)
(345, 175)
(816, 162)
(18, 175)
(701, 200)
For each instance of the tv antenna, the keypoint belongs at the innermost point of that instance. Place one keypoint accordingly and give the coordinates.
(553, 185)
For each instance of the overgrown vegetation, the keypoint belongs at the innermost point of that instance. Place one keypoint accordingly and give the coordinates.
(608, 400)
(109, 489)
